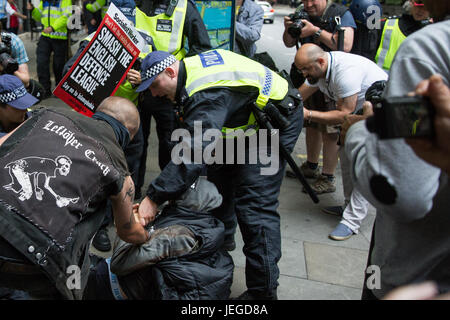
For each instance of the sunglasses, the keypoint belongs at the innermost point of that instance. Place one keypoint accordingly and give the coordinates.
(418, 4)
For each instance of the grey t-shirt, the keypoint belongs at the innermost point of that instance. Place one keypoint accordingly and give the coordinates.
(411, 240)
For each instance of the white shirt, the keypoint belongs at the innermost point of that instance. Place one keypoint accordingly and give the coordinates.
(348, 74)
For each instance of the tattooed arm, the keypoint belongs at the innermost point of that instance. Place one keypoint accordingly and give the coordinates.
(128, 227)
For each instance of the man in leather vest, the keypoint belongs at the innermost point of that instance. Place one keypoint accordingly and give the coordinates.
(218, 89)
(320, 28)
(58, 170)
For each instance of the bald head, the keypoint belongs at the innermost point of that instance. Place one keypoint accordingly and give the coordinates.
(308, 53)
(124, 111)
(312, 62)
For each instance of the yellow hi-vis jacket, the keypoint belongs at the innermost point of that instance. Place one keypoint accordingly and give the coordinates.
(222, 68)
(97, 5)
(167, 32)
(391, 39)
(54, 14)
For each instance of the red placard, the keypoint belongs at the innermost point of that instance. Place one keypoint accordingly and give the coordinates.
(102, 66)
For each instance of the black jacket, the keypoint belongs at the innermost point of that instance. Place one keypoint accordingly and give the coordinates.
(194, 272)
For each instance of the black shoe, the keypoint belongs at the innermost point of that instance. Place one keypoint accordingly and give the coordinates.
(247, 295)
(101, 241)
(229, 244)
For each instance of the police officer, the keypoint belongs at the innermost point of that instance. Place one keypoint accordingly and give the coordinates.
(58, 170)
(395, 30)
(169, 26)
(53, 15)
(218, 88)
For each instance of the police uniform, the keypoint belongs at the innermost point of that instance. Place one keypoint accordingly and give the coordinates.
(52, 13)
(169, 34)
(216, 88)
(393, 32)
(55, 180)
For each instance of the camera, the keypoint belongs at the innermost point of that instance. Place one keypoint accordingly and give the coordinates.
(295, 30)
(402, 117)
(8, 63)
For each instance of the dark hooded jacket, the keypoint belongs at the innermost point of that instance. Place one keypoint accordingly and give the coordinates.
(182, 260)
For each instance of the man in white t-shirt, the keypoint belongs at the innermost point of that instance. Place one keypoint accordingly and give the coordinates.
(344, 78)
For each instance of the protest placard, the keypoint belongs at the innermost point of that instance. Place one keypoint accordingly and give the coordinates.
(103, 65)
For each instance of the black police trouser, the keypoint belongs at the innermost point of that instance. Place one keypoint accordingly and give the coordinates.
(162, 110)
(45, 47)
(252, 198)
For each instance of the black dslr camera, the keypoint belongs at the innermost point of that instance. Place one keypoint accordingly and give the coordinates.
(402, 117)
(399, 117)
(8, 63)
(296, 29)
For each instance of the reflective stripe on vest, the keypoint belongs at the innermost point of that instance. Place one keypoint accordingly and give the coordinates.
(222, 68)
(391, 40)
(51, 15)
(169, 41)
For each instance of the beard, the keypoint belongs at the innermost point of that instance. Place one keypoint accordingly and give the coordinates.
(312, 80)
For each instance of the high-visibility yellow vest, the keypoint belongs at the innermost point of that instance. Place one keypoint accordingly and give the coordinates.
(97, 5)
(391, 40)
(167, 32)
(222, 68)
(54, 14)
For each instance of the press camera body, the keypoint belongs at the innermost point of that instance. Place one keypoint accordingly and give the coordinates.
(402, 117)
(295, 30)
(8, 63)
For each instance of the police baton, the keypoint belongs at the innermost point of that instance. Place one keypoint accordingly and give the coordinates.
(264, 121)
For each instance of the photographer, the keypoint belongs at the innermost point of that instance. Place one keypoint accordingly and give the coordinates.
(316, 23)
(13, 57)
(410, 240)
(330, 72)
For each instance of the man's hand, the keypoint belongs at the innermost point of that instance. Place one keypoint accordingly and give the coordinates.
(93, 22)
(147, 211)
(351, 119)
(309, 29)
(436, 151)
(287, 22)
(48, 30)
(134, 77)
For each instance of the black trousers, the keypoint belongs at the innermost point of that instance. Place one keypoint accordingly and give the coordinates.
(45, 48)
(250, 198)
(162, 110)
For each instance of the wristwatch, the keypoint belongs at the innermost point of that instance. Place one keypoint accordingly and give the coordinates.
(317, 34)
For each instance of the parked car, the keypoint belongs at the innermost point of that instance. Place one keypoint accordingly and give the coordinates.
(269, 13)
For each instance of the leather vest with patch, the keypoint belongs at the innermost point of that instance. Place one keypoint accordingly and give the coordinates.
(49, 179)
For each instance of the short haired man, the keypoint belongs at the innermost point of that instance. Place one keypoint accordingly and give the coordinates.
(321, 29)
(57, 171)
(344, 78)
(218, 89)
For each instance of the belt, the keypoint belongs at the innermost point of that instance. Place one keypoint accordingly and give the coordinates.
(18, 268)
